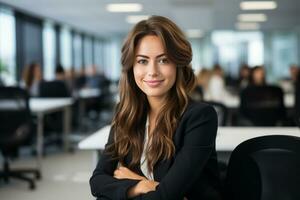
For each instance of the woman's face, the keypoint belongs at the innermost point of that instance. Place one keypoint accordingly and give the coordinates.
(153, 72)
(259, 76)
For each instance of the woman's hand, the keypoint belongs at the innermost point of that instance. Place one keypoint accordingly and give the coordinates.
(125, 173)
(143, 187)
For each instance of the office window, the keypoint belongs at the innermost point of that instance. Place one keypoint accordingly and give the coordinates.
(88, 51)
(99, 54)
(196, 47)
(231, 49)
(49, 50)
(7, 46)
(77, 45)
(284, 51)
(112, 56)
(66, 48)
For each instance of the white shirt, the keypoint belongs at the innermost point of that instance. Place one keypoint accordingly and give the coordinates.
(144, 163)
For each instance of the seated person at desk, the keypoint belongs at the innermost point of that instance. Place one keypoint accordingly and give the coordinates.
(257, 76)
(244, 75)
(32, 76)
(55, 88)
(60, 73)
(161, 144)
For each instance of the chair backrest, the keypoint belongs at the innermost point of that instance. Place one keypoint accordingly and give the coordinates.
(265, 168)
(222, 111)
(297, 104)
(262, 105)
(14, 110)
(54, 88)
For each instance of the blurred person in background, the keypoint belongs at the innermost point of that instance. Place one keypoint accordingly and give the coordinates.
(203, 78)
(244, 76)
(257, 76)
(288, 84)
(216, 85)
(60, 73)
(32, 76)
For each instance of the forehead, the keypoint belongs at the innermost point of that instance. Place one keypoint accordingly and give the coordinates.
(150, 45)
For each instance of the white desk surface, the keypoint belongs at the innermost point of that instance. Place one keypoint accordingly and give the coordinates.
(86, 93)
(39, 105)
(232, 101)
(227, 139)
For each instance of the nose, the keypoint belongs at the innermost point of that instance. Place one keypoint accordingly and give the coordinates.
(153, 69)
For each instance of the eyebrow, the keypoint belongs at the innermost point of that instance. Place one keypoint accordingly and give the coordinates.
(160, 55)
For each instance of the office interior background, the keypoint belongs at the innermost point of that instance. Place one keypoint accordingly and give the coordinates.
(84, 38)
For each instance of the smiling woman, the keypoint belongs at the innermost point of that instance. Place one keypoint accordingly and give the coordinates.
(153, 72)
(161, 144)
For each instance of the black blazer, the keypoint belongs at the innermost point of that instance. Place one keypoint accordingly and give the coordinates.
(192, 173)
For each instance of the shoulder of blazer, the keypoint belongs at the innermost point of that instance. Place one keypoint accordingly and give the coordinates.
(199, 109)
(196, 112)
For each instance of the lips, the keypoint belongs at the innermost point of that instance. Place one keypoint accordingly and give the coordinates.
(153, 83)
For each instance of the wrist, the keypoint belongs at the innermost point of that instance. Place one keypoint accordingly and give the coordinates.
(135, 190)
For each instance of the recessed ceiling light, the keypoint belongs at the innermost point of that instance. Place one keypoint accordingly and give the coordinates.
(258, 5)
(194, 33)
(133, 19)
(124, 7)
(252, 17)
(247, 26)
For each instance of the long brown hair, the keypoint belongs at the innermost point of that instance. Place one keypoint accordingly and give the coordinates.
(131, 112)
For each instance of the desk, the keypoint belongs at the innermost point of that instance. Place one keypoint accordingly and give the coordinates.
(42, 106)
(82, 95)
(227, 139)
(233, 101)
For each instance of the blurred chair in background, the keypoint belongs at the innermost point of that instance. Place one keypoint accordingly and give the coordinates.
(54, 89)
(265, 168)
(15, 130)
(53, 123)
(297, 100)
(262, 106)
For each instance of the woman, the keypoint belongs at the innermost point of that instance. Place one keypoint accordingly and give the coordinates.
(32, 76)
(161, 145)
(257, 76)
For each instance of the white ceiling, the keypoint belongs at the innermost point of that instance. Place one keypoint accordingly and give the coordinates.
(91, 16)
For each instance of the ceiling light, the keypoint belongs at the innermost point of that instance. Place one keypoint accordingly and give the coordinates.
(124, 7)
(247, 26)
(133, 19)
(258, 5)
(252, 17)
(194, 33)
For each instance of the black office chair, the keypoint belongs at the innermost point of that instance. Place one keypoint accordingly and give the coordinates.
(222, 111)
(54, 89)
(265, 168)
(262, 105)
(297, 104)
(53, 123)
(15, 125)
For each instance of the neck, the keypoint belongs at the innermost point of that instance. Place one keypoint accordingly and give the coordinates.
(155, 106)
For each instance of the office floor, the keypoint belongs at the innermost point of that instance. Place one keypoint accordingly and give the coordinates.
(65, 176)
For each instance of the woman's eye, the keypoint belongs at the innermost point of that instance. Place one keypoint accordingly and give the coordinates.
(142, 61)
(163, 61)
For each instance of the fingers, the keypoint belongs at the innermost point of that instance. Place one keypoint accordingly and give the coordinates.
(125, 173)
(121, 172)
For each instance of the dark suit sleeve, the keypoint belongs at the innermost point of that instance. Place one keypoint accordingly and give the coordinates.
(200, 131)
(103, 184)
